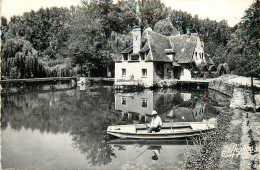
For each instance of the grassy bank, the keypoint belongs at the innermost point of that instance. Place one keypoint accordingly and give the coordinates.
(235, 142)
(207, 151)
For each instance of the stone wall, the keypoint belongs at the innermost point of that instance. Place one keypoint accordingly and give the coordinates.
(221, 86)
(241, 98)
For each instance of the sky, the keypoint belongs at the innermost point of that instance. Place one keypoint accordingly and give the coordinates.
(230, 10)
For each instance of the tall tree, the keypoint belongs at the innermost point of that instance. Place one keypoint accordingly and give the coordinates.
(20, 60)
(165, 27)
(243, 48)
(86, 40)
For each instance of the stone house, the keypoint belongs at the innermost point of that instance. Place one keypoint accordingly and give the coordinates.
(154, 57)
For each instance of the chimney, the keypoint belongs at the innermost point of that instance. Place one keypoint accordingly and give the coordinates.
(136, 39)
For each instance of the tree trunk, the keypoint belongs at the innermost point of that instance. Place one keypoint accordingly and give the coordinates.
(80, 70)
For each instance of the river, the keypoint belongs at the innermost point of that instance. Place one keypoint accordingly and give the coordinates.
(67, 129)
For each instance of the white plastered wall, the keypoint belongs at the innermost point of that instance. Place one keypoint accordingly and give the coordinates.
(185, 74)
(134, 71)
(200, 50)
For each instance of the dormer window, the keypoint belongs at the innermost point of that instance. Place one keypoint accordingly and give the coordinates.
(146, 54)
(170, 53)
(125, 56)
(142, 55)
(134, 56)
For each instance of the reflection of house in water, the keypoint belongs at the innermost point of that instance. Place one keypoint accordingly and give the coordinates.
(141, 103)
(170, 104)
(135, 105)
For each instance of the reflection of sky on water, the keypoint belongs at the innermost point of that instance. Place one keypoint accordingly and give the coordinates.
(67, 129)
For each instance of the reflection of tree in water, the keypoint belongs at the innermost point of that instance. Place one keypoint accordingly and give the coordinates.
(94, 147)
(90, 138)
(83, 114)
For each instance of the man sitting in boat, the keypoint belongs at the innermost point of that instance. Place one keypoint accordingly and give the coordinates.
(155, 124)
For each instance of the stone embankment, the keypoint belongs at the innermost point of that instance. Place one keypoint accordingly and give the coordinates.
(245, 124)
(241, 97)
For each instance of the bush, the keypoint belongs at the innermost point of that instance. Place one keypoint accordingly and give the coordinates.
(167, 83)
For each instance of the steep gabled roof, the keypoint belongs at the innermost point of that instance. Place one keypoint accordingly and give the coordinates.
(127, 50)
(183, 46)
(145, 48)
(157, 44)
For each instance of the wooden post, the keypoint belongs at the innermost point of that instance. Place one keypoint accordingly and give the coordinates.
(253, 94)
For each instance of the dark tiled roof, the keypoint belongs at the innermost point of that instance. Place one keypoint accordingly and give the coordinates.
(116, 57)
(158, 43)
(184, 47)
(145, 48)
(127, 50)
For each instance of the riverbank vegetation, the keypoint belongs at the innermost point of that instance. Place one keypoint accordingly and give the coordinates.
(208, 153)
(56, 41)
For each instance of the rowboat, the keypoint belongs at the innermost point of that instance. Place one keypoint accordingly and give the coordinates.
(168, 130)
(148, 142)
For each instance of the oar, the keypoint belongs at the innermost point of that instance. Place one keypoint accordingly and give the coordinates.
(141, 153)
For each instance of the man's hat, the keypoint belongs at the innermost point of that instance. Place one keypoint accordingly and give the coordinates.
(154, 112)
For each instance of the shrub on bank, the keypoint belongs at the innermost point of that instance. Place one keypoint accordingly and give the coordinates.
(167, 83)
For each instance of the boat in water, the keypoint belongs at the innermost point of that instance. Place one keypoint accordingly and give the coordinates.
(173, 130)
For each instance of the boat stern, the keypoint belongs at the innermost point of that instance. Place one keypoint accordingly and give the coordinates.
(119, 130)
(203, 127)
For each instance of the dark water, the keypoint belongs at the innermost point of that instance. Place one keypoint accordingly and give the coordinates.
(67, 129)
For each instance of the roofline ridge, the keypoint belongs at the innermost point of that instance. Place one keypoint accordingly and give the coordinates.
(181, 35)
(157, 33)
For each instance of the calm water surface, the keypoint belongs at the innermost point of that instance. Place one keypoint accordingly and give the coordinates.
(67, 129)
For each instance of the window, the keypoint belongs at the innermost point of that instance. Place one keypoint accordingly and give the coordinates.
(201, 111)
(135, 57)
(146, 54)
(144, 103)
(196, 55)
(202, 55)
(125, 57)
(123, 101)
(142, 56)
(144, 72)
(123, 72)
(168, 72)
